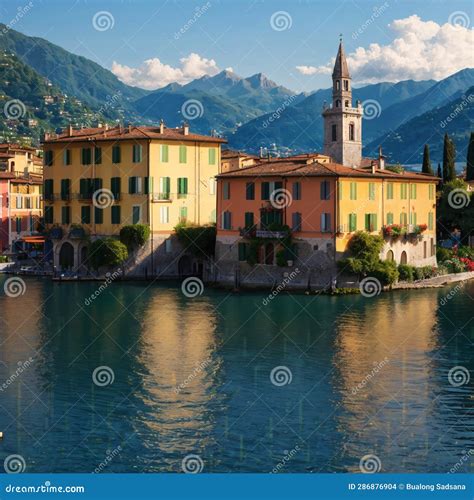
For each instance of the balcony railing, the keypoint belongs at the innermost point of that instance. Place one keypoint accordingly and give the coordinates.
(264, 233)
(156, 197)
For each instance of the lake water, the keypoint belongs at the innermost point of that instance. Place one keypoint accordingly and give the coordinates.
(193, 376)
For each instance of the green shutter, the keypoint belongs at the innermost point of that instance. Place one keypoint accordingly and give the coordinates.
(115, 186)
(265, 190)
(164, 153)
(65, 215)
(132, 185)
(98, 215)
(389, 218)
(182, 154)
(137, 153)
(148, 185)
(97, 184)
(390, 191)
(97, 156)
(115, 212)
(212, 156)
(116, 154)
(48, 214)
(248, 219)
(371, 191)
(86, 214)
(430, 221)
(242, 251)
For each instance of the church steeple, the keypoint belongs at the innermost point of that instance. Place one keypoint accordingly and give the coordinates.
(341, 69)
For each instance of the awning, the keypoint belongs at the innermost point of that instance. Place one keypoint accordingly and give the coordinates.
(33, 239)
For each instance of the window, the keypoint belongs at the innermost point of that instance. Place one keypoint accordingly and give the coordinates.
(136, 214)
(183, 154)
(66, 157)
(338, 103)
(433, 249)
(116, 154)
(115, 187)
(431, 190)
(148, 185)
(413, 191)
(227, 220)
(85, 188)
(325, 222)
(86, 215)
(351, 132)
(425, 249)
(115, 213)
(371, 190)
(182, 187)
(413, 218)
(297, 190)
(48, 158)
(212, 156)
(296, 221)
(96, 184)
(164, 215)
(226, 190)
(48, 214)
(243, 251)
(403, 191)
(250, 191)
(352, 222)
(212, 185)
(97, 156)
(183, 214)
(371, 222)
(390, 191)
(164, 151)
(165, 184)
(325, 193)
(65, 189)
(168, 246)
(403, 219)
(65, 215)
(248, 219)
(265, 191)
(347, 104)
(98, 215)
(353, 194)
(48, 189)
(134, 185)
(389, 218)
(137, 153)
(338, 85)
(346, 84)
(86, 156)
(18, 224)
(430, 221)
(334, 132)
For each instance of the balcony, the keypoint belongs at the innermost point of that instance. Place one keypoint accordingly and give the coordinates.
(161, 197)
(265, 233)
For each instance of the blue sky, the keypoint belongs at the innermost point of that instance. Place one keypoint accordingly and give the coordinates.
(239, 34)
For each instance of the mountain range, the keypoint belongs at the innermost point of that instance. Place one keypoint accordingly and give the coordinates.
(250, 112)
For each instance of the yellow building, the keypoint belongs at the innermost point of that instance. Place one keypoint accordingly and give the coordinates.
(98, 180)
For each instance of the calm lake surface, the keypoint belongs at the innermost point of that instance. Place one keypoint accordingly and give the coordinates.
(192, 376)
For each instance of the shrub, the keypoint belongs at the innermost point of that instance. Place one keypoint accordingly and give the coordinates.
(3, 259)
(199, 240)
(466, 252)
(364, 250)
(406, 272)
(386, 272)
(454, 265)
(107, 252)
(134, 235)
(443, 254)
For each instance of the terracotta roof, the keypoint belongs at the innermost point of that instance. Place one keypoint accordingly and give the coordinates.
(17, 147)
(231, 153)
(6, 175)
(124, 133)
(6, 155)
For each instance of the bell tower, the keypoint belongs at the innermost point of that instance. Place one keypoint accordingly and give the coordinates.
(342, 122)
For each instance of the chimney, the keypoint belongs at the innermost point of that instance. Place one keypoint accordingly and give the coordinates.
(381, 159)
(69, 130)
(46, 136)
(373, 165)
(106, 127)
(162, 126)
(186, 128)
(129, 128)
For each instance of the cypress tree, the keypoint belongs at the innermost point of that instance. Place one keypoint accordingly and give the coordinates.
(426, 169)
(440, 172)
(470, 159)
(449, 154)
(452, 159)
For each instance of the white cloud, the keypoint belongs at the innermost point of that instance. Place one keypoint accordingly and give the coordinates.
(154, 74)
(421, 50)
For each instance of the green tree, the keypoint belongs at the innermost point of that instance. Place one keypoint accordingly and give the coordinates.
(449, 155)
(199, 240)
(134, 235)
(107, 252)
(470, 159)
(426, 169)
(440, 172)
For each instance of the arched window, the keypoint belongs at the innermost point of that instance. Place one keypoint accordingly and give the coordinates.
(334, 132)
(347, 104)
(390, 256)
(351, 132)
(338, 85)
(346, 84)
(338, 103)
(403, 258)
